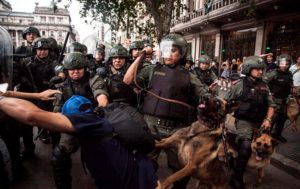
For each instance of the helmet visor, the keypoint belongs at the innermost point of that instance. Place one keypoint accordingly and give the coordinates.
(166, 48)
(284, 62)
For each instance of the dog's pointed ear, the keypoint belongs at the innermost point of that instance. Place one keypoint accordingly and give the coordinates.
(274, 142)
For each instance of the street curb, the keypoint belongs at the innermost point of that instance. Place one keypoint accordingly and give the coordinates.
(290, 166)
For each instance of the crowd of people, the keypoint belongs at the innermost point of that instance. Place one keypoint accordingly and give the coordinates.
(100, 100)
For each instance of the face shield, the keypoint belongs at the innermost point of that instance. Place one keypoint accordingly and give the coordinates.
(166, 49)
(6, 59)
(284, 62)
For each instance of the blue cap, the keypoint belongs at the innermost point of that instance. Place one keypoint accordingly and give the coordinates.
(77, 105)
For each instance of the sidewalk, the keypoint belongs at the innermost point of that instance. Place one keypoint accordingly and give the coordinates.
(287, 155)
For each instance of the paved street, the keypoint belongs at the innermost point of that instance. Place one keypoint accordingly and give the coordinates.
(38, 174)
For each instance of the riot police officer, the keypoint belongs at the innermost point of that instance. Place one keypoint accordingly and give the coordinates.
(204, 73)
(134, 49)
(280, 82)
(169, 80)
(78, 82)
(113, 75)
(189, 64)
(75, 47)
(35, 74)
(256, 109)
(29, 34)
(99, 57)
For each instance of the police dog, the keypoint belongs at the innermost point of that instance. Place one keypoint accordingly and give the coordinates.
(262, 148)
(293, 107)
(197, 147)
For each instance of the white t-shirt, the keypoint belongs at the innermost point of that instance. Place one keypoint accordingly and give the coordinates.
(296, 76)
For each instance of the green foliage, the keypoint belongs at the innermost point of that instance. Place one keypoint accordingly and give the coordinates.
(124, 14)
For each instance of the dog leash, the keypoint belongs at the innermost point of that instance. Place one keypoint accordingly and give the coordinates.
(153, 94)
(225, 148)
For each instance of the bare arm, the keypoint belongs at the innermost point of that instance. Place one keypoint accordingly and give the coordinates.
(27, 112)
(129, 76)
(268, 120)
(45, 95)
(102, 100)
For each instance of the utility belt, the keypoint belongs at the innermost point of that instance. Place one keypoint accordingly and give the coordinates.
(163, 127)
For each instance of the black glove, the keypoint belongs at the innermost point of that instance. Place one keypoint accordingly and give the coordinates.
(55, 80)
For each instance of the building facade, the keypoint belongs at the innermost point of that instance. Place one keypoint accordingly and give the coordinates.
(51, 23)
(238, 28)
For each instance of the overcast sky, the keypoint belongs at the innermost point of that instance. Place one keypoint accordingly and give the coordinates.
(28, 6)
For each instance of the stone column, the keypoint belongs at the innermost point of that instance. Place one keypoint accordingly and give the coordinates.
(194, 44)
(185, 12)
(218, 46)
(17, 39)
(197, 54)
(201, 4)
(259, 40)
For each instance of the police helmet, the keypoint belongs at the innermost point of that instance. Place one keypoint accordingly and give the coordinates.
(173, 39)
(77, 105)
(99, 50)
(189, 58)
(75, 47)
(74, 60)
(204, 59)
(283, 59)
(40, 43)
(30, 29)
(136, 45)
(118, 51)
(52, 43)
(84, 48)
(252, 62)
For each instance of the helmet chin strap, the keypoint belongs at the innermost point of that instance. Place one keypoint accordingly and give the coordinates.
(171, 65)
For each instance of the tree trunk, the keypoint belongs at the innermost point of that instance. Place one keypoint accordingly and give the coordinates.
(162, 16)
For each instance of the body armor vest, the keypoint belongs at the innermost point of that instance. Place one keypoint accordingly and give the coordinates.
(169, 83)
(253, 103)
(42, 71)
(119, 91)
(280, 86)
(80, 87)
(204, 76)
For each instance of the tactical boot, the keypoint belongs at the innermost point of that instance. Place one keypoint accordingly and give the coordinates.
(61, 163)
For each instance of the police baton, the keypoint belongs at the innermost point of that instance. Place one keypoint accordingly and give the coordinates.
(64, 48)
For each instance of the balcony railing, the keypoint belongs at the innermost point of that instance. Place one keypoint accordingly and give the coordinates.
(216, 6)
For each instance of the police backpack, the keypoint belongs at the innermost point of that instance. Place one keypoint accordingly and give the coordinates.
(129, 126)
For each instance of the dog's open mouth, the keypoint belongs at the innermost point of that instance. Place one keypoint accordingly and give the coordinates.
(260, 155)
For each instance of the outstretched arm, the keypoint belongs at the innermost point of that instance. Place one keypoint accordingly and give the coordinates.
(27, 112)
(45, 95)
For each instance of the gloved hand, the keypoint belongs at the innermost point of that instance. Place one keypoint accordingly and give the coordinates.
(55, 80)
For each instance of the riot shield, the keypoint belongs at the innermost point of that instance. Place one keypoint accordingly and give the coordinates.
(6, 58)
(91, 43)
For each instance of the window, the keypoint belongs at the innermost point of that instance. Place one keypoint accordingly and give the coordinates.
(51, 19)
(43, 32)
(59, 34)
(59, 19)
(52, 33)
(20, 21)
(43, 18)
